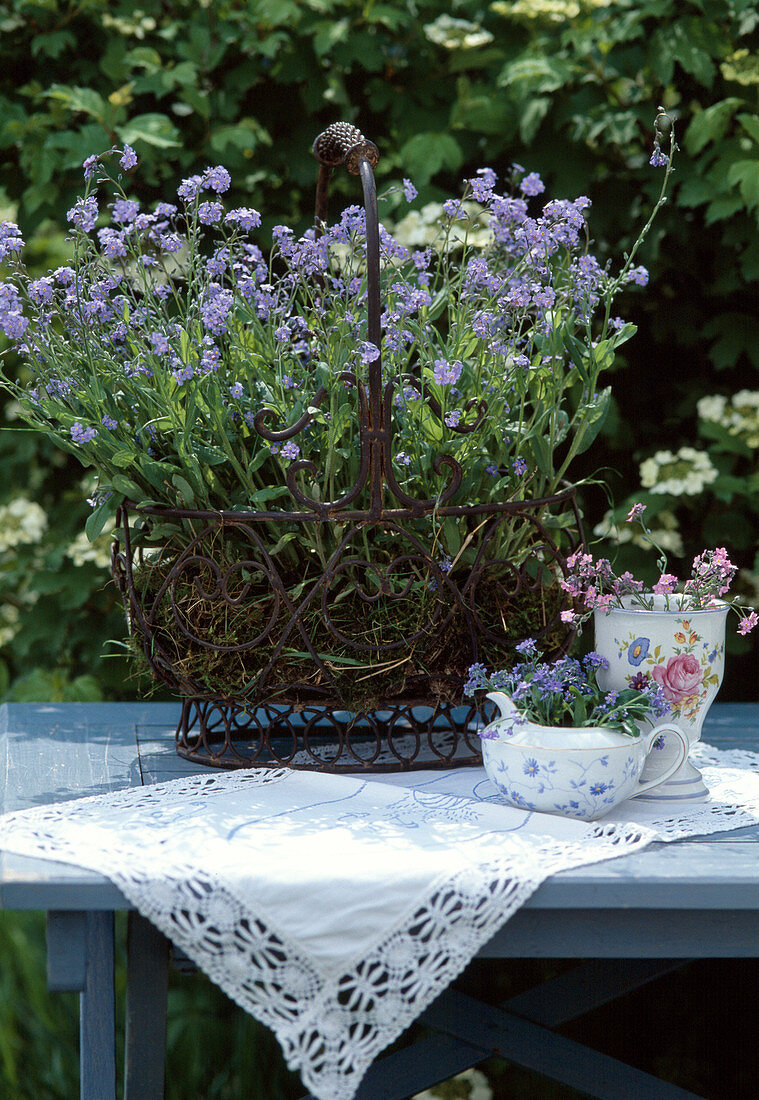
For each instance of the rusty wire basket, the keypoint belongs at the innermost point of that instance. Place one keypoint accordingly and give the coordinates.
(286, 681)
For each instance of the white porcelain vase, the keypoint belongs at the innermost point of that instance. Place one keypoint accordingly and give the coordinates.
(580, 772)
(680, 649)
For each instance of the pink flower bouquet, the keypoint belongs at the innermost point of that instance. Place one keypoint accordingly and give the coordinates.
(593, 584)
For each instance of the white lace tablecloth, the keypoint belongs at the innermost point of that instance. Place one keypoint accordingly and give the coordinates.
(336, 908)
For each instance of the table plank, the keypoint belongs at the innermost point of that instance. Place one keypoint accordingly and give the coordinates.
(629, 933)
(53, 753)
(56, 752)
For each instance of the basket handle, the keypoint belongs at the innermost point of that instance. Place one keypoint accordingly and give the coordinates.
(344, 144)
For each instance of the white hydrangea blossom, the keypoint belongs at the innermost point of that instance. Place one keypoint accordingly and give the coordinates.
(686, 473)
(554, 11)
(472, 1079)
(712, 408)
(666, 533)
(608, 528)
(81, 550)
(422, 228)
(9, 623)
(740, 416)
(22, 521)
(457, 34)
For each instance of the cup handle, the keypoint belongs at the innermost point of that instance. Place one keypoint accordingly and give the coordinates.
(670, 770)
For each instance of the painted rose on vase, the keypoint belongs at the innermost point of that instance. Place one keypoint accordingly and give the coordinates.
(684, 671)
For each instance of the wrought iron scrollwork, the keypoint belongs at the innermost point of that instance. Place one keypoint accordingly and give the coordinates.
(282, 698)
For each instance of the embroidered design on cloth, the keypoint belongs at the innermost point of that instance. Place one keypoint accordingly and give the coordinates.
(335, 909)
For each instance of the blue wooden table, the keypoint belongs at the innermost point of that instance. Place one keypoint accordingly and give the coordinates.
(634, 918)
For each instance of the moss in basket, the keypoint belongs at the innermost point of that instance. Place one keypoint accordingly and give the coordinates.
(429, 649)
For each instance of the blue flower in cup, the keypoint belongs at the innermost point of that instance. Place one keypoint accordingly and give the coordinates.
(531, 767)
(637, 651)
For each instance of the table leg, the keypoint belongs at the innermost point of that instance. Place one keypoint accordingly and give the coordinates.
(147, 991)
(97, 1019)
(80, 958)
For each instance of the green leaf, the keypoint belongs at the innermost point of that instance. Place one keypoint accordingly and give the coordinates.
(185, 345)
(44, 686)
(84, 100)
(726, 442)
(604, 351)
(264, 496)
(281, 543)
(5, 679)
(425, 154)
(200, 102)
(687, 43)
(328, 33)
(329, 658)
(579, 711)
(723, 208)
(477, 110)
(258, 460)
(750, 260)
(158, 474)
(710, 125)
(541, 453)
(438, 304)
(532, 115)
(184, 490)
(746, 174)
(52, 44)
(695, 191)
(130, 489)
(152, 129)
(212, 456)
(69, 148)
(246, 135)
(734, 334)
(144, 57)
(750, 124)
(534, 73)
(432, 428)
(595, 415)
(83, 689)
(578, 353)
(95, 523)
(452, 535)
(123, 459)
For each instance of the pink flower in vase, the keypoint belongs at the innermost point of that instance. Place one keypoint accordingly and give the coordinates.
(680, 679)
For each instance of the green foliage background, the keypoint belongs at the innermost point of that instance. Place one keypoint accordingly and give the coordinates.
(566, 87)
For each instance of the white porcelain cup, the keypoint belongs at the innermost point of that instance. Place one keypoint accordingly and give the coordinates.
(581, 772)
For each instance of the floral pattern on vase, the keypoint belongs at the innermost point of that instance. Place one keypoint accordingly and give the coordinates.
(685, 671)
(683, 651)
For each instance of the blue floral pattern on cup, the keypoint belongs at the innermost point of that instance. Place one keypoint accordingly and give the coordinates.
(580, 788)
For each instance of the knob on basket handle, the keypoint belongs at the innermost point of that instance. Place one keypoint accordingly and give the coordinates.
(340, 144)
(343, 143)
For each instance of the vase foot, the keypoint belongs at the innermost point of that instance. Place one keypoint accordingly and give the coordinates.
(686, 785)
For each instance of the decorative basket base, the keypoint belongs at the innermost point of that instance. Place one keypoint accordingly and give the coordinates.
(310, 737)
